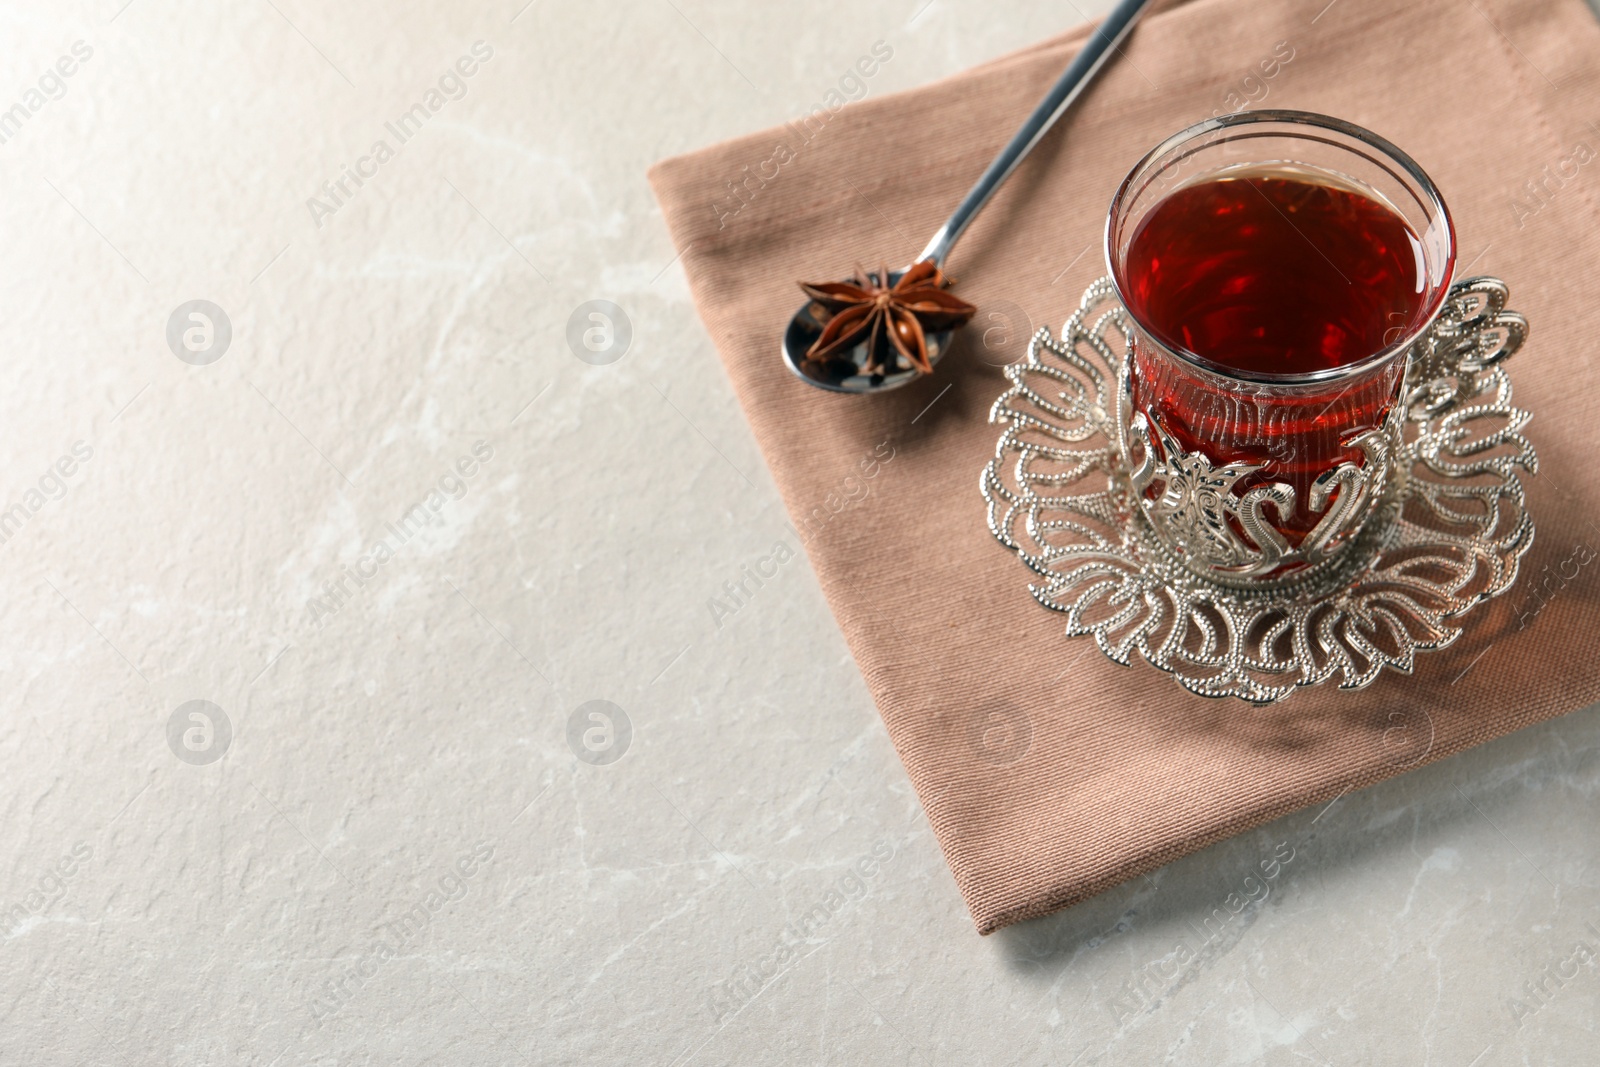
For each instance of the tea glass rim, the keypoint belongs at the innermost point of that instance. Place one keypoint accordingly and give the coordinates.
(1283, 116)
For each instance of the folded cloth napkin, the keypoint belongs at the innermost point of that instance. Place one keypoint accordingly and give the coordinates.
(1048, 773)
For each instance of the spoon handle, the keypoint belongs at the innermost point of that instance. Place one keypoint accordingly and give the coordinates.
(1084, 66)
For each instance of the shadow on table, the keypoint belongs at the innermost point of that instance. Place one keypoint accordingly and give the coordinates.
(1194, 911)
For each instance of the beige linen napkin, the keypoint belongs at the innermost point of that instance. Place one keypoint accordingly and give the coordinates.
(1048, 773)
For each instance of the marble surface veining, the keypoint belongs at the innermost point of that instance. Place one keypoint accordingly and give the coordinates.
(365, 698)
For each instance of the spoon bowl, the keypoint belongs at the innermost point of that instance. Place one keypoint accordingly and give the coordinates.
(845, 371)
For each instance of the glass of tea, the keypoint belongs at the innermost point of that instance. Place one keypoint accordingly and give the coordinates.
(1276, 267)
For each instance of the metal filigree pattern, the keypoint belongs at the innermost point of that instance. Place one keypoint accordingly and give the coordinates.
(1194, 501)
(1449, 528)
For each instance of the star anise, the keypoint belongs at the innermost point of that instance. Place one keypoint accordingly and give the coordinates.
(892, 319)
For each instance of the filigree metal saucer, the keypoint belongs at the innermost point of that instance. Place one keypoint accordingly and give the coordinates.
(1450, 527)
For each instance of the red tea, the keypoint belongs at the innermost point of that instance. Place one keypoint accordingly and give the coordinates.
(1272, 271)
(1275, 272)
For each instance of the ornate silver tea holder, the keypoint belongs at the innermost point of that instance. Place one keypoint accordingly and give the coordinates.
(1246, 616)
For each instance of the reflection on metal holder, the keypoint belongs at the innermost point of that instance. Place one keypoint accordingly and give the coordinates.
(1227, 537)
(1144, 546)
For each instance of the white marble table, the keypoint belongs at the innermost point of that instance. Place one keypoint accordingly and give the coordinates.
(375, 513)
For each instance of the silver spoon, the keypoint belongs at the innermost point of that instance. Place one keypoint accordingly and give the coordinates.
(844, 372)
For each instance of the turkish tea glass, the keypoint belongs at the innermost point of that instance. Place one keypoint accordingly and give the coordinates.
(1255, 465)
